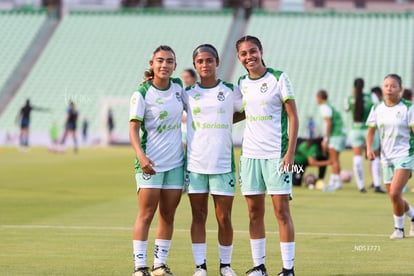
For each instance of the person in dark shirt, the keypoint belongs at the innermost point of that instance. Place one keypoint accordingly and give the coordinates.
(110, 124)
(70, 126)
(24, 119)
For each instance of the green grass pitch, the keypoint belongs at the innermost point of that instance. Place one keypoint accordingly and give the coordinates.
(72, 214)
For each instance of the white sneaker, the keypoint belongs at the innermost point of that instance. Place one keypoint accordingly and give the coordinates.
(227, 271)
(162, 271)
(397, 234)
(143, 271)
(412, 228)
(200, 272)
(257, 271)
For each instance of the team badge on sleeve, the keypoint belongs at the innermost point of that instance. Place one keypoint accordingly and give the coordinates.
(178, 96)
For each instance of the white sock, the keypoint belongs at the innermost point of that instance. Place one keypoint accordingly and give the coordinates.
(199, 253)
(410, 212)
(287, 250)
(140, 253)
(225, 253)
(376, 171)
(358, 171)
(399, 222)
(258, 247)
(335, 181)
(161, 249)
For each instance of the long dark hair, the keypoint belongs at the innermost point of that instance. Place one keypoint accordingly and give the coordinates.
(359, 100)
(253, 40)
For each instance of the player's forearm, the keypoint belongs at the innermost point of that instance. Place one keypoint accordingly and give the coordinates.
(328, 128)
(135, 139)
(370, 138)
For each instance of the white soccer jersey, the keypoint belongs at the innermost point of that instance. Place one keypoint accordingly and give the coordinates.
(209, 127)
(160, 113)
(394, 126)
(266, 132)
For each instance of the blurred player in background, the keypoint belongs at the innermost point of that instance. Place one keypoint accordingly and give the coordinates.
(309, 153)
(24, 119)
(189, 77)
(394, 119)
(407, 94)
(268, 150)
(54, 137)
(359, 104)
(155, 110)
(71, 125)
(110, 124)
(333, 140)
(376, 93)
(210, 106)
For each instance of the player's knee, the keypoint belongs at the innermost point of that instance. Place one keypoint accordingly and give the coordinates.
(199, 216)
(395, 196)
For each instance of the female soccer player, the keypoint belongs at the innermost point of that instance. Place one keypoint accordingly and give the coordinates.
(334, 138)
(210, 106)
(189, 77)
(267, 151)
(394, 119)
(24, 119)
(71, 126)
(155, 110)
(360, 104)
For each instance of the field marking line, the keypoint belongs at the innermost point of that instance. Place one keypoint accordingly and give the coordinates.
(79, 227)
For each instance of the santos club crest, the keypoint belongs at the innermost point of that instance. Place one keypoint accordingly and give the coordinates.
(220, 96)
(264, 88)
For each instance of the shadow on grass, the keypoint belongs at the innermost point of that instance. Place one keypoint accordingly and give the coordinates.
(375, 274)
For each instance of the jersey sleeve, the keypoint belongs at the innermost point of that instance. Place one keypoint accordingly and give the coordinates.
(326, 111)
(374, 98)
(184, 97)
(136, 107)
(410, 116)
(286, 88)
(238, 100)
(313, 152)
(348, 104)
(372, 118)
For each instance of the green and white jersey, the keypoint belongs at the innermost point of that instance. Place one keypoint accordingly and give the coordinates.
(350, 106)
(209, 127)
(394, 125)
(306, 150)
(160, 114)
(266, 132)
(327, 111)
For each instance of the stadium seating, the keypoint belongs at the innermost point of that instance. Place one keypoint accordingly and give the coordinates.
(96, 55)
(17, 31)
(328, 51)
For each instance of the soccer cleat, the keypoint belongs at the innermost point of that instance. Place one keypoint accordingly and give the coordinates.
(380, 190)
(161, 271)
(398, 233)
(362, 191)
(142, 271)
(259, 270)
(330, 188)
(227, 271)
(412, 228)
(200, 272)
(287, 272)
